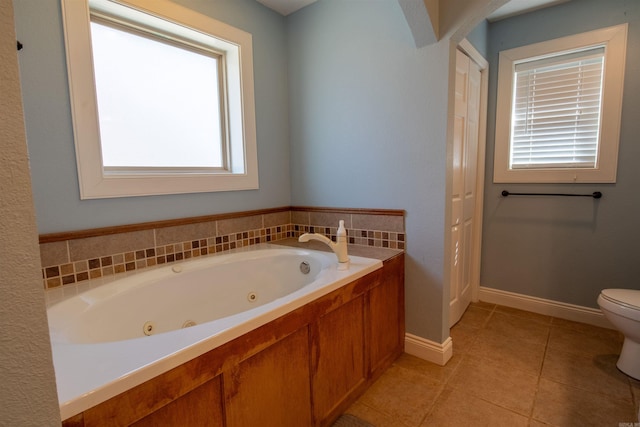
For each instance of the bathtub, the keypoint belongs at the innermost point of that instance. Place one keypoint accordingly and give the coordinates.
(123, 331)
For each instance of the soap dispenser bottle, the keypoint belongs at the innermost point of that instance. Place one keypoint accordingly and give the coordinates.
(341, 236)
(341, 247)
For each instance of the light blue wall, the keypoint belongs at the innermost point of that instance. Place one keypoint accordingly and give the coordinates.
(478, 37)
(566, 249)
(50, 135)
(368, 129)
(349, 114)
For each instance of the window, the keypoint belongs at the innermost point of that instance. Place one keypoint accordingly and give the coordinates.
(142, 131)
(559, 108)
(160, 105)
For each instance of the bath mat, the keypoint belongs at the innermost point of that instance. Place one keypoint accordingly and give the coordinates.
(348, 420)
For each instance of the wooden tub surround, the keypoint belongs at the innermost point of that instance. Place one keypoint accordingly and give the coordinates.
(303, 369)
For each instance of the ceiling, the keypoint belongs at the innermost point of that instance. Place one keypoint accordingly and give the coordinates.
(517, 7)
(285, 7)
(513, 7)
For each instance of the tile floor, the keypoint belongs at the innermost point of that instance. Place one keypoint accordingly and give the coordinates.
(509, 368)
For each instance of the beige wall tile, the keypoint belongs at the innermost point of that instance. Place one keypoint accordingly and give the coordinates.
(96, 247)
(276, 219)
(54, 253)
(378, 222)
(329, 219)
(66, 269)
(236, 225)
(301, 218)
(81, 266)
(183, 233)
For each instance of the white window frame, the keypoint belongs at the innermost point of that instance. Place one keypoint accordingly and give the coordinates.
(614, 40)
(241, 172)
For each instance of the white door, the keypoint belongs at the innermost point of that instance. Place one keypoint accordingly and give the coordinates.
(464, 190)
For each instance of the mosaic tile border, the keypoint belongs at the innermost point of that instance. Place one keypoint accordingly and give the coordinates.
(58, 275)
(79, 271)
(375, 238)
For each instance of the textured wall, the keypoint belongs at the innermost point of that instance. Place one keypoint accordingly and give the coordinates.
(27, 385)
(566, 249)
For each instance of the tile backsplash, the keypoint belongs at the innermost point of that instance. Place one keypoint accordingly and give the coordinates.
(76, 257)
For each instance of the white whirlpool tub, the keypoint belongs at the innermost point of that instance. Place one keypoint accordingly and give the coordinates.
(123, 332)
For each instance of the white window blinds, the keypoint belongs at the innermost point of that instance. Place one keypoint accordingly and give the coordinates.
(556, 111)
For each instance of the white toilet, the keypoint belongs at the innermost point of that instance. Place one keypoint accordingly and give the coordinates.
(622, 308)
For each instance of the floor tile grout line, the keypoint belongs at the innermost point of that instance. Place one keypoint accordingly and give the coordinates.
(482, 328)
(502, 407)
(544, 357)
(433, 404)
(443, 384)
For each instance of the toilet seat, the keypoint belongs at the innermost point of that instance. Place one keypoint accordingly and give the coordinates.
(624, 302)
(627, 297)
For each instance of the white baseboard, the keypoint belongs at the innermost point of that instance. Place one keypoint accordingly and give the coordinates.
(591, 316)
(429, 350)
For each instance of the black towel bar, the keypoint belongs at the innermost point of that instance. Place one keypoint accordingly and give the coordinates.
(595, 194)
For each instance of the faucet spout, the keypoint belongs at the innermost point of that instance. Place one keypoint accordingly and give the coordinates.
(306, 237)
(339, 247)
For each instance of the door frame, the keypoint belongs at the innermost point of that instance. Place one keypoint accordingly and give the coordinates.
(476, 244)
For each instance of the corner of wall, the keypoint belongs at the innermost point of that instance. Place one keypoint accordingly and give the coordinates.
(28, 388)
